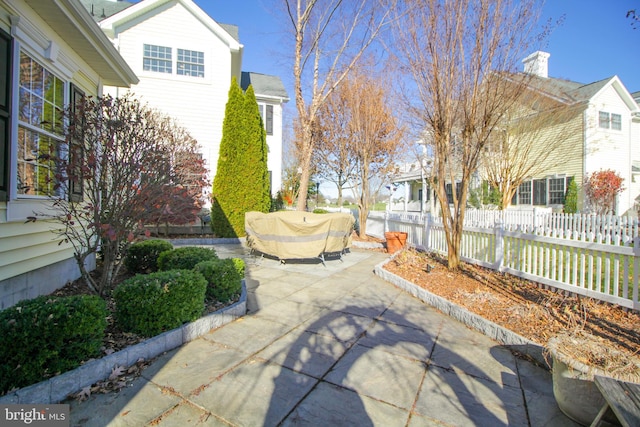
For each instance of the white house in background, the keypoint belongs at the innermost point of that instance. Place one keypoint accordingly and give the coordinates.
(49, 52)
(185, 61)
(607, 136)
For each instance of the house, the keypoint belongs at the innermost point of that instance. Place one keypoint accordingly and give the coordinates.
(49, 52)
(186, 72)
(605, 134)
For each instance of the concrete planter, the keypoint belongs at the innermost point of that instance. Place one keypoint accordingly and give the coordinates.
(573, 387)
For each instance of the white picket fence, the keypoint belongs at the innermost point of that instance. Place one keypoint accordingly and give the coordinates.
(593, 256)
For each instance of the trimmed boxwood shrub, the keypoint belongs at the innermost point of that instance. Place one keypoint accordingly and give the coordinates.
(184, 258)
(142, 257)
(45, 336)
(153, 303)
(223, 278)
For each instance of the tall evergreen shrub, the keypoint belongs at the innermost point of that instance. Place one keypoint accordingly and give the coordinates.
(241, 183)
(571, 198)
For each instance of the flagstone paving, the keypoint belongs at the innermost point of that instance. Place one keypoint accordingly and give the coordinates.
(335, 345)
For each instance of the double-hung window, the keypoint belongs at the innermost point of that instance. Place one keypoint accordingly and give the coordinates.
(266, 114)
(616, 121)
(608, 120)
(40, 127)
(524, 193)
(157, 58)
(556, 191)
(190, 63)
(160, 59)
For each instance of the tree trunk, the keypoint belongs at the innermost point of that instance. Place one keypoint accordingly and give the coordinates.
(306, 153)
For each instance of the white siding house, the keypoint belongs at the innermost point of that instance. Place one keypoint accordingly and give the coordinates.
(185, 62)
(47, 49)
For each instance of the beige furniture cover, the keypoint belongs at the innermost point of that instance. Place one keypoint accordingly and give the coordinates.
(297, 234)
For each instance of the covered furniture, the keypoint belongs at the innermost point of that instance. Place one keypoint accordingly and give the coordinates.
(296, 235)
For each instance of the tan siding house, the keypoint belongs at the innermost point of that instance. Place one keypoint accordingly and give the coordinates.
(604, 135)
(46, 47)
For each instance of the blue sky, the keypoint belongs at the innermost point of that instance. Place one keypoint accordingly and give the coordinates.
(595, 40)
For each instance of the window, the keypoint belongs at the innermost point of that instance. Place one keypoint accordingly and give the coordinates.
(603, 119)
(267, 118)
(40, 127)
(157, 58)
(268, 123)
(616, 121)
(5, 111)
(556, 191)
(190, 63)
(524, 193)
(609, 120)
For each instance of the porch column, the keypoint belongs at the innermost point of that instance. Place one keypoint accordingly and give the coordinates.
(407, 186)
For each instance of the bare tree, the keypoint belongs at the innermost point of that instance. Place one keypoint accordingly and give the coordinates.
(374, 134)
(332, 155)
(530, 139)
(114, 168)
(330, 36)
(457, 53)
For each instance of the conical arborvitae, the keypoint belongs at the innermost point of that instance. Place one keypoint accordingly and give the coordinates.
(241, 183)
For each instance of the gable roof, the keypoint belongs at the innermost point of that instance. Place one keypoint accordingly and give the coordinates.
(144, 6)
(101, 9)
(265, 86)
(73, 23)
(570, 92)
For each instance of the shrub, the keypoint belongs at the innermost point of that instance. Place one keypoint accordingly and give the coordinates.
(184, 258)
(42, 337)
(223, 278)
(571, 198)
(152, 303)
(142, 257)
(240, 266)
(320, 211)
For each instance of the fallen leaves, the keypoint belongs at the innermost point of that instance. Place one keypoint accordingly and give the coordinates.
(519, 305)
(119, 378)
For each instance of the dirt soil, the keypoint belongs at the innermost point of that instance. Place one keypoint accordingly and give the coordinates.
(527, 308)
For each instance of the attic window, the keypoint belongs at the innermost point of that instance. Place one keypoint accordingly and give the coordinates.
(157, 58)
(190, 63)
(609, 120)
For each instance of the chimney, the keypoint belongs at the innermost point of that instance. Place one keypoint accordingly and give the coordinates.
(537, 64)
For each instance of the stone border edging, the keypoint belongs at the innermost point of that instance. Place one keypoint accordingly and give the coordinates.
(503, 335)
(366, 245)
(61, 386)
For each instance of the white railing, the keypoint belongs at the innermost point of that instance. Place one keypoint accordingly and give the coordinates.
(575, 257)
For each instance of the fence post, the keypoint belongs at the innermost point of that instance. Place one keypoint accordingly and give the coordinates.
(636, 267)
(427, 231)
(499, 248)
(385, 228)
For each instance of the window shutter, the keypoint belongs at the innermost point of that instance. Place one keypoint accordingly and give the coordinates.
(6, 56)
(76, 150)
(540, 192)
(269, 121)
